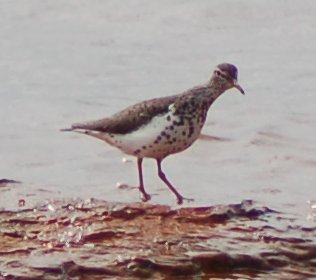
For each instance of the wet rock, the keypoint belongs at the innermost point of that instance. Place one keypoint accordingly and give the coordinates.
(94, 239)
(4, 182)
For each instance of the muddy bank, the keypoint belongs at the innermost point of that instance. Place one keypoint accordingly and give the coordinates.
(91, 239)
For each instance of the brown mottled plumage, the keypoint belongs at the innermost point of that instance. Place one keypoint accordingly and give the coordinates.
(159, 127)
(131, 118)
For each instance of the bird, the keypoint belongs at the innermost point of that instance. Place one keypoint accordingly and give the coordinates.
(159, 127)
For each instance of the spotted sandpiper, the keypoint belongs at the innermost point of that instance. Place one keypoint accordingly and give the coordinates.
(162, 126)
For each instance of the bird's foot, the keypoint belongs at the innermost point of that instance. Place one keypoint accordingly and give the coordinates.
(180, 199)
(144, 196)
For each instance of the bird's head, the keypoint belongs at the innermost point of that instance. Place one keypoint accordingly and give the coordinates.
(225, 75)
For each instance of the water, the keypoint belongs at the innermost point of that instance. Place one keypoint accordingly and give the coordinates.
(66, 62)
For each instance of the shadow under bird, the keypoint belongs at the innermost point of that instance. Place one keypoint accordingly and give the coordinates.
(159, 127)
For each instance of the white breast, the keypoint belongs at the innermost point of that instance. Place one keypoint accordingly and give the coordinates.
(156, 139)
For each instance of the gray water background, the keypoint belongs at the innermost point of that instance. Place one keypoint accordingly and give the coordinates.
(68, 61)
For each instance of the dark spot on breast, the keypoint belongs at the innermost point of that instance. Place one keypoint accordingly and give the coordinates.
(144, 147)
(136, 152)
(191, 130)
(171, 127)
(168, 118)
(158, 139)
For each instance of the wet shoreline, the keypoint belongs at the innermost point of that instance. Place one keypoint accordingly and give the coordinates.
(253, 170)
(94, 239)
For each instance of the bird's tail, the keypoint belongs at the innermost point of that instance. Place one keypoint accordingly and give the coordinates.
(80, 128)
(76, 126)
(66, 129)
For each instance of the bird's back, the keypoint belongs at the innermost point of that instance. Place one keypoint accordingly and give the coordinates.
(131, 118)
(135, 116)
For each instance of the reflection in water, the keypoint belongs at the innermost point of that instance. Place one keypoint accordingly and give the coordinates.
(207, 137)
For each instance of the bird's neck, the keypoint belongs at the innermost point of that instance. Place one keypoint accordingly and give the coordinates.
(213, 91)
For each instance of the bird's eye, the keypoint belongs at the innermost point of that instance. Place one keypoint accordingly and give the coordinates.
(217, 73)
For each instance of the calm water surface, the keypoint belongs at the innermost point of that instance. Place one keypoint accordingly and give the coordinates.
(66, 62)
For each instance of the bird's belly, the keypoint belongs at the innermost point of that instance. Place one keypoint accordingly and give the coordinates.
(163, 135)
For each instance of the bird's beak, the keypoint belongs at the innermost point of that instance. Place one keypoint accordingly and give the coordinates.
(236, 85)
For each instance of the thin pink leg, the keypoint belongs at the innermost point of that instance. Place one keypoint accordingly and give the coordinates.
(163, 177)
(144, 195)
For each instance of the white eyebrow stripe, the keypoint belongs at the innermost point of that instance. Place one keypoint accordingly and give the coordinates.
(221, 72)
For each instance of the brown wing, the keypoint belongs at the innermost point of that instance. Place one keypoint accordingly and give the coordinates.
(130, 118)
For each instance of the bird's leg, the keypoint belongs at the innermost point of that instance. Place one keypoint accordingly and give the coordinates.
(163, 177)
(144, 196)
